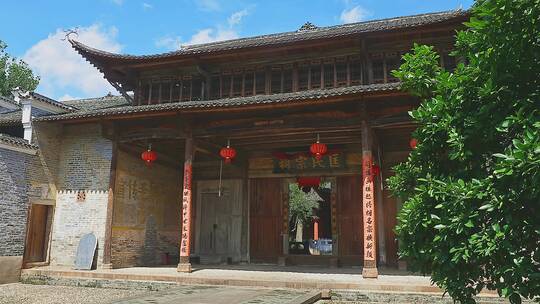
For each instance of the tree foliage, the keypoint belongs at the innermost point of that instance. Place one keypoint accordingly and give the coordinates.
(471, 216)
(14, 73)
(300, 205)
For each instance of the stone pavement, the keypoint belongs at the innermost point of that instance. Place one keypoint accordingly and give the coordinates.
(225, 295)
(270, 276)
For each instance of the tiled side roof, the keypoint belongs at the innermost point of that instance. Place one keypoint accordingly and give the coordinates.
(51, 101)
(9, 100)
(11, 118)
(16, 141)
(226, 103)
(287, 37)
(90, 104)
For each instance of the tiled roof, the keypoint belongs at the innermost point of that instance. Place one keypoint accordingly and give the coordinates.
(224, 103)
(288, 37)
(9, 100)
(11, 118)
(90, 104)
(16, 141)
(51, 101)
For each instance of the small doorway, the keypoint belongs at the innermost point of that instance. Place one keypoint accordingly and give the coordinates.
(310, 202)
(219, 213)
(38, 231)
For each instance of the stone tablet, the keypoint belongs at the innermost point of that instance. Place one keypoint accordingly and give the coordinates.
(85, 252)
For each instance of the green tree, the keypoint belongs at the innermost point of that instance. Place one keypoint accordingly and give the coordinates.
(300, 205)
(14, 73)
(471, 216)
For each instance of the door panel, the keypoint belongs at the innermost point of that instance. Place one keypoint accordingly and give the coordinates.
(350, 224)
(390, 221)
(265, 219)
(36, 246)
(220, 229)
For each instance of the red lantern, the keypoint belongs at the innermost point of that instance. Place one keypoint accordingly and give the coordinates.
(306, 183)
(149, 156)
(375, 170)
(227, 153)
(412, 143)
(317, 149)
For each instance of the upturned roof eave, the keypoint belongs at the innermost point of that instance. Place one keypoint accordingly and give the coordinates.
(95, 56)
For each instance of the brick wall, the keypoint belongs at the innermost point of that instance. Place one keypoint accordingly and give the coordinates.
(82, 164)
(13, 201)
(73, 219)
(146, 223)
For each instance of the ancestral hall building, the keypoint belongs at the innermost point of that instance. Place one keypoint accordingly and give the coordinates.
(211, 149)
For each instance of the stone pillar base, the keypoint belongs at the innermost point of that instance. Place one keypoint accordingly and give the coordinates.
(184, 267)
(370, 273)
(106, 266)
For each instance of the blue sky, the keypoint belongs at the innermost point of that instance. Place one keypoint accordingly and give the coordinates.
(33, 29)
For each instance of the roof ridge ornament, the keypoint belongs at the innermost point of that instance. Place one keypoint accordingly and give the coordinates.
(69, 32)
(308, 26)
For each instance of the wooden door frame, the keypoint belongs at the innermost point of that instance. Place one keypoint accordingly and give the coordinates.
(199, 186)
(333, 211)
(47, 253)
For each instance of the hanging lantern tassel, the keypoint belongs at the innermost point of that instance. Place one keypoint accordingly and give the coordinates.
(149, 156)
(228, 153)
(375, 170)
(413, 142)
(318, 149)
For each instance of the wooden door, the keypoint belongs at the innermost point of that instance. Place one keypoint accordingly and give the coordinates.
(350, 224)
(265, 220)
(37, 240)
(220, 228)
(390, 222)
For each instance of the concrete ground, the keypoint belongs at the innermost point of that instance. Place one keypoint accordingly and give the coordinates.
(45, 294)
(18, 293)
(271, 276)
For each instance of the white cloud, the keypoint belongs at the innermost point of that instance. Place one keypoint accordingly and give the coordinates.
(63, 70)
(170, 43)
(206, 35)
(118, 2)
(236, 17)
(208, 5)
(355, 14)
(211, 35)
(147, 6)
(67, 97)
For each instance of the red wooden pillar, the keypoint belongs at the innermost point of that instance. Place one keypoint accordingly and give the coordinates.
(185, 241)
(368, 206)
(316, 228)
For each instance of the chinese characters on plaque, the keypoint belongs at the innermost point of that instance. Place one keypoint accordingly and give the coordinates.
(302, 163)
(369, 214)
(186, 212)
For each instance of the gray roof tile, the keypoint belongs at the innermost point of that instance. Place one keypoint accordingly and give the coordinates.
(224, 103)
(16, 141)
(288, 37)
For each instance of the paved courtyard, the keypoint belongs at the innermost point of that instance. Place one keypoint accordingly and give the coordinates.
(38, 294)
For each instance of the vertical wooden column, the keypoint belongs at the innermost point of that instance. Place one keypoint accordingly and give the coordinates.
(368, 206)
(184, 265)
(107, 263)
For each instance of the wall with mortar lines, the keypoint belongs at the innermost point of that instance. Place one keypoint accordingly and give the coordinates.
(83, 165)
(146, 222)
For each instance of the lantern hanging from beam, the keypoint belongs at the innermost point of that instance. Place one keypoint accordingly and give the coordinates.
(306, 183)
(375, 170)
(318, 149)
(149, 156)
(413, 142)
(228, 153)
